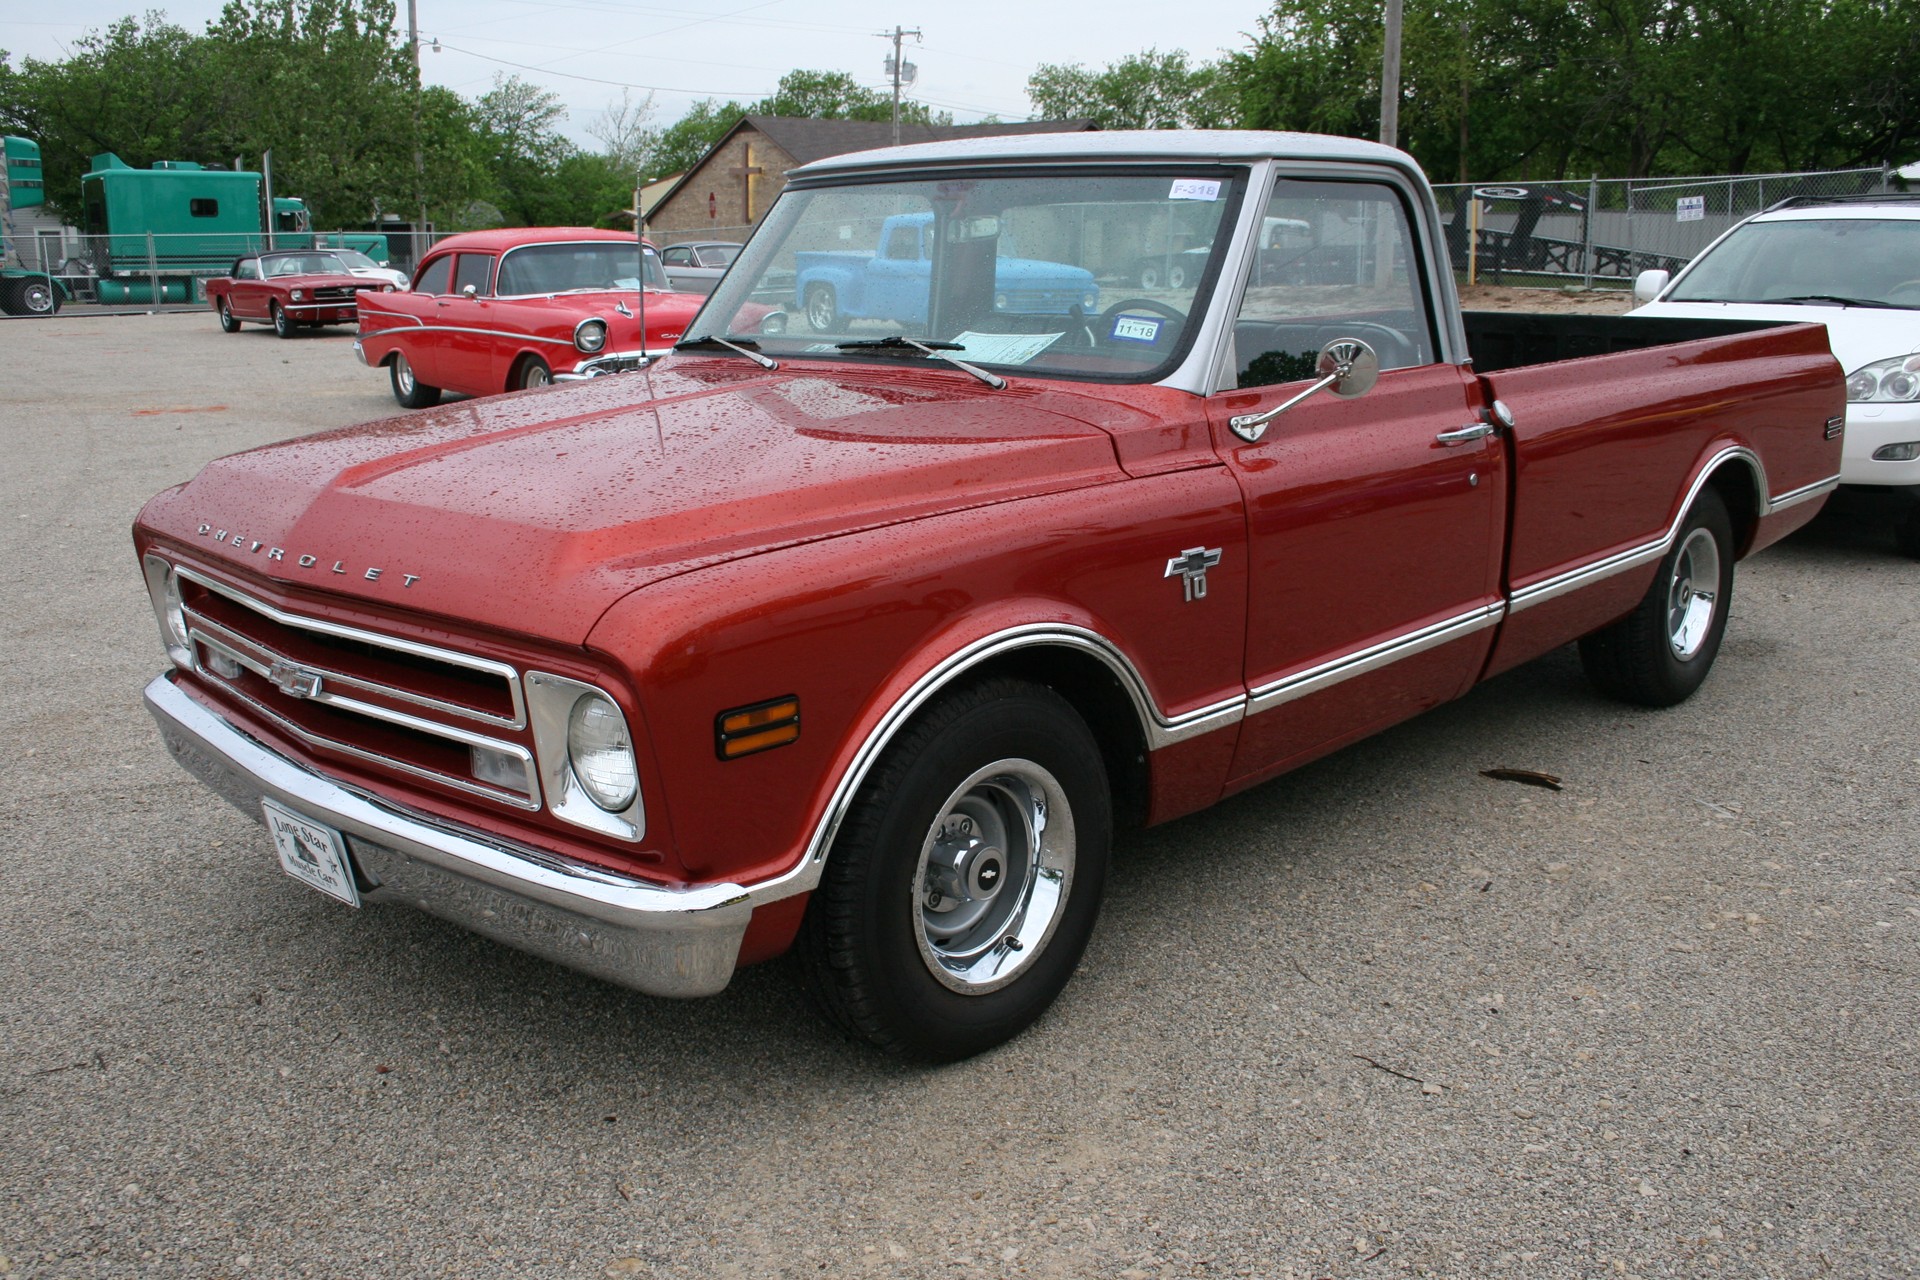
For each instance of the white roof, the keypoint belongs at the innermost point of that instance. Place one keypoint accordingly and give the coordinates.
(1121, 144)
(1893, 207)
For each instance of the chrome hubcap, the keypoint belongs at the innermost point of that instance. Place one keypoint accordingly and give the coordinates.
(1693, 594)
(993, 876)
(402, 374)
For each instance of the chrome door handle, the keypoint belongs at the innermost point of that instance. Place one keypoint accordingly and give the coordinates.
(1465, 435)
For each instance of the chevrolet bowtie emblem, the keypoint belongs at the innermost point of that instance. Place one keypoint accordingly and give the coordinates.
(295, 682)
(1192, 565)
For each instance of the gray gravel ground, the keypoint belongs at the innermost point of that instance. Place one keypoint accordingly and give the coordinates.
(1381, 1017)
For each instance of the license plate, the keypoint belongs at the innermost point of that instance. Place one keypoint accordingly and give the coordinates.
(311, 853)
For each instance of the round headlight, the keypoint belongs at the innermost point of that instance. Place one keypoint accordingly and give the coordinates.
(173, 611)
(299, 294)
(999, 302)
(386, 288)
(590, 335)
(1091, 301)
(602, 753)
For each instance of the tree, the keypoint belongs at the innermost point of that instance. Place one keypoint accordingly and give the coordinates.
(622, 129)
(1150, 90)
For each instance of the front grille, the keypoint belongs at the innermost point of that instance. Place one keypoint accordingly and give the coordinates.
(412, 707)
(335, 293)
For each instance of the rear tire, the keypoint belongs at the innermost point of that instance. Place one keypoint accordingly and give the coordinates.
(966, 878)
(282, 322)
(823, 309)
(1660, 653)
(229, 323)
(408, 389)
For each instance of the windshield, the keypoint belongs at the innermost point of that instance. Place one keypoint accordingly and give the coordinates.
(583, 265)
(305, 264)
(1094, 273)
(355, 259)
(1873, 260)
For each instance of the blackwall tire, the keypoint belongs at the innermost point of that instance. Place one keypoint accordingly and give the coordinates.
(964, 884)
(1660, 653)
(229, 323)
(283, 324)
(823, 309)
(408, 389)
(533, 372)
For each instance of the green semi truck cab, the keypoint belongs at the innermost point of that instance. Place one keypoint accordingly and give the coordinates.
(153, 232)
(22, 291)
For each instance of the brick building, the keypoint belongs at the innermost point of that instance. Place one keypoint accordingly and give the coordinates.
(733, 186)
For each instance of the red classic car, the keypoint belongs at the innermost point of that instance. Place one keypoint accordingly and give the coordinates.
(496, 311)
(287, 289)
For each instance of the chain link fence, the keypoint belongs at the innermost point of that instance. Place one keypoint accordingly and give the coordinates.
(1604, 232)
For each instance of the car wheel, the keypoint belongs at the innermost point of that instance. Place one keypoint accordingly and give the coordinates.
(823, 311)
(409, 390)
(39, 298)
(229, 323)
(1906, 532)
(1177, 276)
(1660, 653)
(282, 322)
(1150, 277)
(533, 372)
(966, 878)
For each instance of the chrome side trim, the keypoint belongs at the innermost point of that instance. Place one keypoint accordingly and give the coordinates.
(1327, 674)
(422, 327)
(1620, 561)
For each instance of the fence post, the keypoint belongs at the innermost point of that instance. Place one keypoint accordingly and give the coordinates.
(153, 273)
(1593, 198)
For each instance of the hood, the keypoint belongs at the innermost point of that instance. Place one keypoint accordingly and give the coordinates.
(1858, 335)
(534, 512)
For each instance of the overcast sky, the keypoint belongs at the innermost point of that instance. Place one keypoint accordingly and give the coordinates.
(974, 57)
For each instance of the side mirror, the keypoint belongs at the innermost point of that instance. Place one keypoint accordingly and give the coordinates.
(1648, 284)
(1347, 366)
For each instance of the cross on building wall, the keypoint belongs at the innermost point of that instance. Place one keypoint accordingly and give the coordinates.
(747, 171)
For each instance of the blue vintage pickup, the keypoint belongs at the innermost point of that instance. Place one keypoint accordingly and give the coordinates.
(891, 282)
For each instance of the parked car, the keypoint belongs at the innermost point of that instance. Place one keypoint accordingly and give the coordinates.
(494, 311)
(1853, 264)
(289, 289)
(367, 269)
(697, 267)
(862, 647)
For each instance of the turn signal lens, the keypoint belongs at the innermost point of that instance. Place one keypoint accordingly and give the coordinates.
(1904, 452)
(602, 753)
(759, 727)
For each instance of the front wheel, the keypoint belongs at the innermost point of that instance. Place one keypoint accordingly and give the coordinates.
(229, 323)
(1660, 653)
(533, 372)
(282, 322)
(823, 310)
(409, 390)
(39, 298)
(967, 876)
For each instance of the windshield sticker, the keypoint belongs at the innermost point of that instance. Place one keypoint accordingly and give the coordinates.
(1005, 348)
(1136, 329)
(1193, 189)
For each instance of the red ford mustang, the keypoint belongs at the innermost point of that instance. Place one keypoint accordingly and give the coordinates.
(496, 311)
(287, 289)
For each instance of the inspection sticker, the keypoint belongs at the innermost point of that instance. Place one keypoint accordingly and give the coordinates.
(1194, 189)
(1136, 328)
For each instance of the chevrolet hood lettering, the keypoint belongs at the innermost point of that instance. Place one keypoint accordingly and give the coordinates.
(279, 556)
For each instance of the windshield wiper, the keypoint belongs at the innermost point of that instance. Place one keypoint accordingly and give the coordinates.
(1845, 302)
(746, 347)
(938, 350)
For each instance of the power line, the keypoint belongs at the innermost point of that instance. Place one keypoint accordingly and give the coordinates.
(618, 84)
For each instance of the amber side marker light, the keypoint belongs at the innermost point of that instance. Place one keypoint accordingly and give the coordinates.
(764, 725)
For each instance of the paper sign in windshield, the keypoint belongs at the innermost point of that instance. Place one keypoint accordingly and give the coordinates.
(1194, 189)
(1004, 348)
(1136, 329)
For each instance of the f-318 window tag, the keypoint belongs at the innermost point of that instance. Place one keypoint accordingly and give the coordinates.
(1194, 189)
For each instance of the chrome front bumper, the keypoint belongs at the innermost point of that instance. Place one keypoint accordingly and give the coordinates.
(665, 942)
(602, 365)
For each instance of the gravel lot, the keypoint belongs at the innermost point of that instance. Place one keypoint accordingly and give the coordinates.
(1384, 1016)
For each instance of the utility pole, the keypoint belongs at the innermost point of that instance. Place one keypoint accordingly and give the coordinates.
(1390, 78)
(899, 71)
(419, 161)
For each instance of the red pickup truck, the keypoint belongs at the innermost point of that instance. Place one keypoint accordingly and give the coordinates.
(860, 641)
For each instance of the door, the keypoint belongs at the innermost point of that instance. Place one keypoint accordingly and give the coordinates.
(247, 294)
(1373, 522)
(465, 322)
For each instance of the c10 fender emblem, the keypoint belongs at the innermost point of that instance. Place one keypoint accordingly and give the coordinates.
(1192, 565)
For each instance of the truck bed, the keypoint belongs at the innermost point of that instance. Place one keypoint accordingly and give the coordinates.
(1511, 340)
